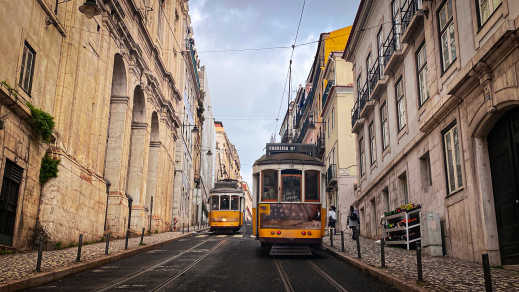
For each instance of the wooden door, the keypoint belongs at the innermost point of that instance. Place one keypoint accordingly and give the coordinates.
(503, 148)
(9, 201)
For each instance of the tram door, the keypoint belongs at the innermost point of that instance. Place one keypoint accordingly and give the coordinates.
(9, 201)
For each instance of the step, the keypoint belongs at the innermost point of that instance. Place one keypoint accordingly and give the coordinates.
(278, 250)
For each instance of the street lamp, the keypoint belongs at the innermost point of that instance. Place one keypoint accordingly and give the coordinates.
(195, 128)
(90, 8)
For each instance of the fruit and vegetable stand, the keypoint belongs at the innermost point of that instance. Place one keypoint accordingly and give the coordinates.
(402, 225)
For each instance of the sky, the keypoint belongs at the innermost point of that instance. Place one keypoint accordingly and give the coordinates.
(246, 88)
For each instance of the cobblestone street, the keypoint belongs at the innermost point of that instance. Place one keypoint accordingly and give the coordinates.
(22, 265)
(440, 273)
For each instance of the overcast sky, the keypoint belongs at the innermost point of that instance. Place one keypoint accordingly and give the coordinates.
(246, 87)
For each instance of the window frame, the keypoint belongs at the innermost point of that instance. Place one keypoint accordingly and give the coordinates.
(394, 24)
(380, 50)
(27, 48)
(300, 176)
(384, 125)
(368, 65)
(478, 13)
(362, 157)
(318, 185)
(440, 33)
(262, 176)
(372, 144)
(212, 197)
(232, 197)
(397, 100)
(457, 186)
(419, 70)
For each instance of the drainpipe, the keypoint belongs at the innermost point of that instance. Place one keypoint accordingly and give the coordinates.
(108, 184)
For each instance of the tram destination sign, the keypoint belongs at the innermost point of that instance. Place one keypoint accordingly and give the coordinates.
(275, 148)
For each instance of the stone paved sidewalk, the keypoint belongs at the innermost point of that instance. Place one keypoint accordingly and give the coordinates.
(22, 265)
(439, 273)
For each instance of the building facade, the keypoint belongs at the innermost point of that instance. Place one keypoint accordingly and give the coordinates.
(436, 116)
(113, 85)
(227, 158)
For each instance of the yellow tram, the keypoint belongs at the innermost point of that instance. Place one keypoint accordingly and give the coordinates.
(289, 209)
(226, 202)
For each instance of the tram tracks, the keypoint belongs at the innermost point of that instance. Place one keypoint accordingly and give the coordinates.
(285, 279)
(121, 281)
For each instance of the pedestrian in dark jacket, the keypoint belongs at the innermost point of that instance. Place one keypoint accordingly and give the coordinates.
(354, 222)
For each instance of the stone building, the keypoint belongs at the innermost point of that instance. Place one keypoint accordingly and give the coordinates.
(248, 202)
(227, 158)
(436, 118)
(113, 85)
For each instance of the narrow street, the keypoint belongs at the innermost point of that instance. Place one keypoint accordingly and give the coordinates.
(208, 262)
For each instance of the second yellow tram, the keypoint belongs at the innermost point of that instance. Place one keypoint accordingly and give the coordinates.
(226, 202)
(289, 207)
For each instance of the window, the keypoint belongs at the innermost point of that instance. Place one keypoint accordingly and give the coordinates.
(385, 194)
(269, 185)
(333, 118)
(160, 24)
(311, 185)
(27, 68)
(425, 169)
(368, 66)
(397, 22)
(453, 159)
(447, 40)
(400, 105)
(235, 203)
(485, 9)
(402, 179)
(291, 185)
(385, 126)
(421, 69)
(358, 88)
(380, 47)
(224, 202)
(215, 202)
(372, 153)
(362, 157)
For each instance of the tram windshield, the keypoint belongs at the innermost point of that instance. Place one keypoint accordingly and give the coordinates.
(270, 185)
(312, 185)
(215, 202)
(235, 203)
(224, 202)
(290, 216)
(291, 185)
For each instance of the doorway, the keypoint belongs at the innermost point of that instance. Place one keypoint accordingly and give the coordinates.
(503, 149)
(9, 201)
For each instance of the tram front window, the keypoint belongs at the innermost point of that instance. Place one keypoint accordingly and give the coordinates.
(270, 185)
(235, 203)
(215, 203)
(291, 185)
(224, 202)
(312, 185)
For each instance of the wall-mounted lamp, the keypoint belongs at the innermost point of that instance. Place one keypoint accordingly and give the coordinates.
(90, 8)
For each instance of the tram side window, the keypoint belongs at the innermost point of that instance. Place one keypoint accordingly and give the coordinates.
(224, 202)
(235, 203)
(311, 185)
(291, 185)
(215, 203)
(270, 185)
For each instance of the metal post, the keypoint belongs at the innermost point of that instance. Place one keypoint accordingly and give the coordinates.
(382, 253)
(182, 227)
(142, 237)
(331, 238)
(40, 255)
(358, 245)
(107, 243)
(419, 263)
(80, 244)
(342, 241)
(151, 214)
(188, 227)
(486, 273)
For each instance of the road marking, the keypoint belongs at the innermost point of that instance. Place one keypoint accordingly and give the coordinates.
(238, 235)
(284, 277)
(221, 235)
(164, 284)
(327, 277)
(120, 281)
(202, 235)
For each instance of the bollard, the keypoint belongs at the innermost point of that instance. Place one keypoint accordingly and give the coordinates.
(188, 227)
(80, 244)
(142, 237)
(357, 236)
(40, 255)
(419, 263)
(126, 239)
(342, 241)
(107, 246)
(331, 238)
(382, 253)
(182, 228)
(486, 273)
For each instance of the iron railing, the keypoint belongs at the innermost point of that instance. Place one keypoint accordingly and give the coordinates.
(331, 174)
(191, 49)
(374, 75)
(391, 44)
(354, 114)
(409, 9)
(327, 91)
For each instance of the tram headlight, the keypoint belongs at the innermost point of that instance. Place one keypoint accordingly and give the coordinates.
(224, 219)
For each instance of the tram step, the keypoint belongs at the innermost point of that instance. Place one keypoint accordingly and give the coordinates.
(277, 250)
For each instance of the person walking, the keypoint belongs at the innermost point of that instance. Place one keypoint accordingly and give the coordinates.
(332, 218)
(354, 222)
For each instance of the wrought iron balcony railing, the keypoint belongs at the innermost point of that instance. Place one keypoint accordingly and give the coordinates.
(374, 75)
(331, 174)
(409, 9)
(391, 44)
(327, 91)
(355, 114)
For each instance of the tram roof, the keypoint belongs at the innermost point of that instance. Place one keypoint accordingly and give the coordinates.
(227, 186)
(289, 153)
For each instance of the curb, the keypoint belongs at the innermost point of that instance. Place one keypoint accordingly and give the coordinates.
(378, 273)
(46, 277)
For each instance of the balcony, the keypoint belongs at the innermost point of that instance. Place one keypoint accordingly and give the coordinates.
(412, 19)
(356, 120)
(304, 129)
(327, 92)
(331, 177)
(190, 47)
(377, 81)
(393, 52)
(366, 104)
(321, 146)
